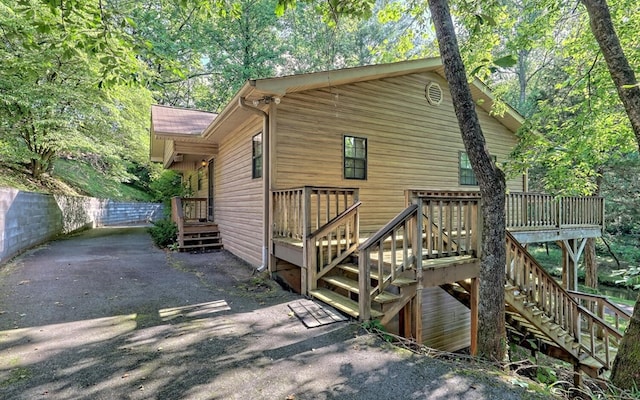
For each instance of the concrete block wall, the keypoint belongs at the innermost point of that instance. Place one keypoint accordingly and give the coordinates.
(116, 213)
(28, 219)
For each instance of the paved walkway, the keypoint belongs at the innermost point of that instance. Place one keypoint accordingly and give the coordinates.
(105, 315)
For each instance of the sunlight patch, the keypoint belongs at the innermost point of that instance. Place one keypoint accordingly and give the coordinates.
(195, 310)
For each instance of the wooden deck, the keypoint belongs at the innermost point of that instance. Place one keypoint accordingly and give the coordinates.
(435, 243)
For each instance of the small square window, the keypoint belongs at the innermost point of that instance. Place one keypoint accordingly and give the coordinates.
(256, 170)
(355, 157)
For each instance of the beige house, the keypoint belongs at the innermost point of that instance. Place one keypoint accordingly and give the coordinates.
(353, 186)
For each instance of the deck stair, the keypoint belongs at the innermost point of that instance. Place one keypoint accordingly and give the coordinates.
(389, 283)
(199, 236)
(195, 231)
(542, 316)
(381, 275)
(341, 289)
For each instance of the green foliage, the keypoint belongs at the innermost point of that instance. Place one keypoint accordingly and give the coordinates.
(629, 276)
(168, 185)
(163, 232)
(546, 375)
(89, 180)
(54, 93)
(376, 326)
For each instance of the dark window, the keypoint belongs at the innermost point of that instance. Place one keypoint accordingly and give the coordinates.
(257, 156)
(467, 176)
(355, 157)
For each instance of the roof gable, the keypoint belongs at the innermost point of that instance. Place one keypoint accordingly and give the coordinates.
(233, 113)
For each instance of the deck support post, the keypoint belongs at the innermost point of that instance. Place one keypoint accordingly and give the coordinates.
(474, 299)
(577, 376)
(573, 252)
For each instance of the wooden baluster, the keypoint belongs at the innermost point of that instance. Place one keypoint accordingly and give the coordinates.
(459, 237)
(440, 227)
(468, 226)
(429, 233)
(364, 285)
(393, 253)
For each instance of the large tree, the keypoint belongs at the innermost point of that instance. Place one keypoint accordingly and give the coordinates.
(626, 367)
(491, 180)
(56, 94)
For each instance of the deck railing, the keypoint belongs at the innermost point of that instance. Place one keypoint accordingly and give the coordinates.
(299, 212)
(452, 222)
(539, 289)
(189, 209)
(534, 211)
(185, 210)
(331, 244)
(603, 308)
(388, 252)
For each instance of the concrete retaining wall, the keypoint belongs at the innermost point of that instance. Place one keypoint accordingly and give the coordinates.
(28, 219)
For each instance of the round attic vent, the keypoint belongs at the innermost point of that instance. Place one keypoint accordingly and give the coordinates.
(433, 93)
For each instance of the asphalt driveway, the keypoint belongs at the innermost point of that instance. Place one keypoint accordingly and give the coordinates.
(106, 315)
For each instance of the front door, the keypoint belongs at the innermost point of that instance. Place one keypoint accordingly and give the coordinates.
(210, 191)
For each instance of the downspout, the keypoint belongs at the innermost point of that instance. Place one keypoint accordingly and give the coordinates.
(266, 178)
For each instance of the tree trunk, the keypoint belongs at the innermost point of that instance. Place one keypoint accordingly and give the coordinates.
(621, 72)
(491, 310)
(626, 367)
(565, 263)
(590, 264)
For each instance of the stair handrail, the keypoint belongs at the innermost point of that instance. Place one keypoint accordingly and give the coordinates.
(600, 303)
(177, 215)
(366, 292)
(314, 256)
(596, 328)
(565, 311)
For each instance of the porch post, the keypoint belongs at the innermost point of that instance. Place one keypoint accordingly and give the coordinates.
(474, 300)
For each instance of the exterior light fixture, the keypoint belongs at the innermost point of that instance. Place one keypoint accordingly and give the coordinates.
(203, 163)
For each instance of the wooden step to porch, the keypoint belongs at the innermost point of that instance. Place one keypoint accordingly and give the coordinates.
(205, 227)
(341, 303)
(352, 286)
(201, 240)
(399, 281)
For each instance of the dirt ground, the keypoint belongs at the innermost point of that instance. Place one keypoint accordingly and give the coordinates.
(106, 315)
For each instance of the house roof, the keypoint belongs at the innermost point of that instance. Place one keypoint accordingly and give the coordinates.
(178, 124)
(233, 114)
(179, 121)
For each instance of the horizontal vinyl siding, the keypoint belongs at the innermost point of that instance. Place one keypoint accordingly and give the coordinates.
(238, 200)
(411, 144)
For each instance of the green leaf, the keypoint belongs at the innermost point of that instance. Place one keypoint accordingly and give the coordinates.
(506, 61)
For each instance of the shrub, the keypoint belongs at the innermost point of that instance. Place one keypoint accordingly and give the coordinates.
(163, 232)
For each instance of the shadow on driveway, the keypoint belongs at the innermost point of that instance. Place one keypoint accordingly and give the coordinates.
(106, 315)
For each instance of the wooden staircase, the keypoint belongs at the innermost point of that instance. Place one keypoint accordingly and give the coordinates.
(542, 316)
(195, 231)
(375, 280)
(341, 289)
(199, 236)
(382, 277)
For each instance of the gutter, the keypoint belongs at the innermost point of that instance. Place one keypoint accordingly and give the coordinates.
(266, 179)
